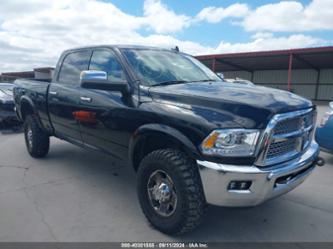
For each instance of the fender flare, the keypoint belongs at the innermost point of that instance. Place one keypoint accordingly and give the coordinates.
(24, 99)
(168, 131)
(33, 106)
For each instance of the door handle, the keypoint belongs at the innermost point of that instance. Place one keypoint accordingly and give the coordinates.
(53, 93)
(86, 99)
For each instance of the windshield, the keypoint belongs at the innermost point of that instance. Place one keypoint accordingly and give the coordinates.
(158, 67)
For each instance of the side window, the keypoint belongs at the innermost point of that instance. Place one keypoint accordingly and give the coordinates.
(105, 60)
(72, 66)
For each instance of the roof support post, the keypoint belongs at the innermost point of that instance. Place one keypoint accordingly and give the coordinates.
(290, 70)
(214, 65)
(317, 84)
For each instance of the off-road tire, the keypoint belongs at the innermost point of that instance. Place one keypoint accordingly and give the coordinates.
(191, 204)
(40, 140)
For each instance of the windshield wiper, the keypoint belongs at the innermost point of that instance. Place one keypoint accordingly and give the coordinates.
(171, 82)
(203, 80)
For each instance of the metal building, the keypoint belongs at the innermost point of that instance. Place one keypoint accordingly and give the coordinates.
(307, 72)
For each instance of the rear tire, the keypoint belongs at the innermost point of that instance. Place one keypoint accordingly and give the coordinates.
(182, 178)
(36, 140)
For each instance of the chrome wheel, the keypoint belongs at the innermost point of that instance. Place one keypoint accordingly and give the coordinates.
(29, 136)
(162, 193)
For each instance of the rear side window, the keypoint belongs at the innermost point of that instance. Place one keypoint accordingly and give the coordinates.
(105, 60)
(72, 66)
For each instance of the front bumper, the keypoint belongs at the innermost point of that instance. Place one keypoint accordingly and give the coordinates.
(267, 182)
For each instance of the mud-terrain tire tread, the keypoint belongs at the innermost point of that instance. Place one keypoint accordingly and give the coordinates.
(41, 140)
(191, 187)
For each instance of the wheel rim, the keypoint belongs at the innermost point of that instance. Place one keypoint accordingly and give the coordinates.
(162, 193)
(29, 136)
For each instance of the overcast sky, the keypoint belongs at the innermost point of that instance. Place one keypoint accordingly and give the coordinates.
(34, 32)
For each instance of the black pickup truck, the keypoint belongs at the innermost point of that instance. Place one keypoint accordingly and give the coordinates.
(192, 138)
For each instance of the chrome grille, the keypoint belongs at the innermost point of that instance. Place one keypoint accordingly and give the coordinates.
(287, 126)
(287, 136)
(310, 119)
(294, 124)
(277, 149)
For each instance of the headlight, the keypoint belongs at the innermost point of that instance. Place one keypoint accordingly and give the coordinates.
(230, 142)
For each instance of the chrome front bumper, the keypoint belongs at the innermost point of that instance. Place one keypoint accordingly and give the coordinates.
(267, 183)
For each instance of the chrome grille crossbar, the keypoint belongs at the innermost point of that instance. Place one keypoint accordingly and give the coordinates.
(293, 134)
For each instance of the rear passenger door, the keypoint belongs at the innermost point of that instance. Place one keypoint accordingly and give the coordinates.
(64, 95)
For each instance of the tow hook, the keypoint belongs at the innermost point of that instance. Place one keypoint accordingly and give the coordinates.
(320, 161)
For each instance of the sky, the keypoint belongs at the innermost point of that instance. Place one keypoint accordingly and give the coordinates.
(33, 33)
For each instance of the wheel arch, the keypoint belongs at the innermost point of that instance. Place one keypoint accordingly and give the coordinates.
(27, 107)
(150, 137)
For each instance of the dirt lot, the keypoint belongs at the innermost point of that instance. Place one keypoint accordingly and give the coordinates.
(75, 195)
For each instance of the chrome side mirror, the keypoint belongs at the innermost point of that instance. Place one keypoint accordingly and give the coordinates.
(98, 80)
(91, 75)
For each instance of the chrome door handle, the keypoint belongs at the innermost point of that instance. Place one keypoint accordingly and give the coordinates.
(86, 99)
(53, 93)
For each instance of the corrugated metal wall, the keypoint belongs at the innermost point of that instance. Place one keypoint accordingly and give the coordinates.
(240, 74)
(304, 81)
(325, 89)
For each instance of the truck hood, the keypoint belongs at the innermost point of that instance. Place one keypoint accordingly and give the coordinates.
(255, 104)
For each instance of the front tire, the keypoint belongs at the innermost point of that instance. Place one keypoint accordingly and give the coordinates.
(170, 191)
(36, 140)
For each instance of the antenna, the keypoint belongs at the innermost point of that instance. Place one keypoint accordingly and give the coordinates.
(176, 49)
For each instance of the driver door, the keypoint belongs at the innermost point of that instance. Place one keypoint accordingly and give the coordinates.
(106, 125)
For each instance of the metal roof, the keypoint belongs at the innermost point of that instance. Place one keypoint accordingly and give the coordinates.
(304, 58)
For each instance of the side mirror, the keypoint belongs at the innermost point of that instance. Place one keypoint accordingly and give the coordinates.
(331, 105)
(98, 80)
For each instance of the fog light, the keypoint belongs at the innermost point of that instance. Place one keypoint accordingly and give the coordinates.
(239, 185)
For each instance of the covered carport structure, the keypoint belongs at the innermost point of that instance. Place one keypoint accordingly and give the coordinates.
(306, 71)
